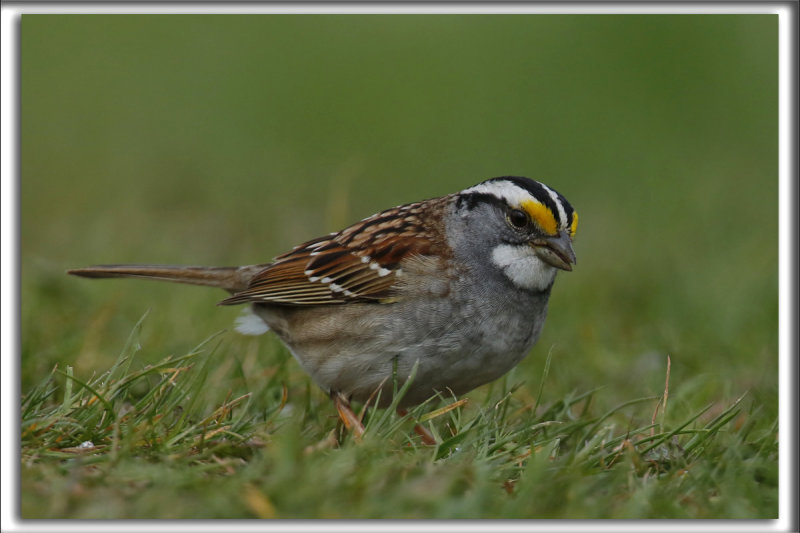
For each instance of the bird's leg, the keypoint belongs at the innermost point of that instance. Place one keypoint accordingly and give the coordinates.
(420, 430)
(346, 414)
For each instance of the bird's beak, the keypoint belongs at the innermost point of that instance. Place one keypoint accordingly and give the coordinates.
(556, 251)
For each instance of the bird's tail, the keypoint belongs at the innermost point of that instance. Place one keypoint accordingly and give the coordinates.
(232, 279)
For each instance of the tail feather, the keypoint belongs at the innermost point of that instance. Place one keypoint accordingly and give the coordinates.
(232, 279)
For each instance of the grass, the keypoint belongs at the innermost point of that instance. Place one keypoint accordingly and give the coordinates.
(228, 140)
(113, 445)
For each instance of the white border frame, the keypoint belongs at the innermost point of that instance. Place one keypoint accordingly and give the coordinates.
(9, 24)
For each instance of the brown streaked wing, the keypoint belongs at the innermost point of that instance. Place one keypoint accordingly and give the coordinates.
(360, 263)
(333, 275)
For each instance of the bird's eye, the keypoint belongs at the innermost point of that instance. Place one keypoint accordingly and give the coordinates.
(519, 219)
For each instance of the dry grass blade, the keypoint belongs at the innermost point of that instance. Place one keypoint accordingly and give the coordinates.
(662, 401)
(224, 410)
(443, 410)
(371, 397)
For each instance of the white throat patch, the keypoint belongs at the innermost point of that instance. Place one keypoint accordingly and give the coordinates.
(523, 267)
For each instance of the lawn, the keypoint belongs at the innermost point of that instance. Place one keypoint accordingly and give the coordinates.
(210, 140)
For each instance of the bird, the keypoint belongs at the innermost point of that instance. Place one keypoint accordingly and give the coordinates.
(451, 290)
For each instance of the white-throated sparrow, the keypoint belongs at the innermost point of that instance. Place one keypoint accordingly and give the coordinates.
(458, 284)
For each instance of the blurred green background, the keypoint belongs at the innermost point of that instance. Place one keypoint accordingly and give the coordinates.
(226, 140)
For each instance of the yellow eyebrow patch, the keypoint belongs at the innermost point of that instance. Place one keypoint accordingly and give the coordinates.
(540, 214)
(574, 226)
